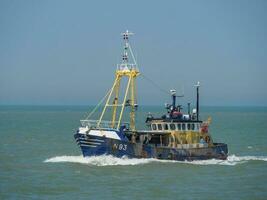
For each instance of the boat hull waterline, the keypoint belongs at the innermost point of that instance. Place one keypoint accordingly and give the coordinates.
(92, 145)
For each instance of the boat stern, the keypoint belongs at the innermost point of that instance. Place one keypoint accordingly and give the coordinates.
(221, 150)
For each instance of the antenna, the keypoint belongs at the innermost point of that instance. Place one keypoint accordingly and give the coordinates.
(126, 35)
(126, 52)
(173, 94)
(197, 86)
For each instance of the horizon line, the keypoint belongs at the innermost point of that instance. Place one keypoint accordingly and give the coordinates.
(139, 105)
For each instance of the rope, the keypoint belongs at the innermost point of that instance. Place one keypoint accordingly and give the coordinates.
(93, 111)
(142, 75)
(155, 84)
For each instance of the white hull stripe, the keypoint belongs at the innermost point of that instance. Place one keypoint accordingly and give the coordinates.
(97, 140)
(88, 142)
(87, 145)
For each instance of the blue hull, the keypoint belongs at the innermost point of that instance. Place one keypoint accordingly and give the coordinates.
(95, 146)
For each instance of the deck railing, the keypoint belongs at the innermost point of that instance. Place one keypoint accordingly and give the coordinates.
(103, 124)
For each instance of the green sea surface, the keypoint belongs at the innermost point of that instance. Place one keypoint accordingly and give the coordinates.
(39, 159)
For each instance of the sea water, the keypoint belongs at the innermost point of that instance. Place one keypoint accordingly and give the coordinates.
(39, 159)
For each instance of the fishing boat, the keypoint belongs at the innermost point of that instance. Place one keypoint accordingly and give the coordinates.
(173, 136)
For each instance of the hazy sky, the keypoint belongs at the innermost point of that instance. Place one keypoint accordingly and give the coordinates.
(65, 52)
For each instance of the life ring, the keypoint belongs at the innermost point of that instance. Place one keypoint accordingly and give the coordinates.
(204, 128)
(207, 139)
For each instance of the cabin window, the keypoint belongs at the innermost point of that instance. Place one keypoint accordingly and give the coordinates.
(159, 126)
(179, 126)
(172, 126)
(193, 126)
(166, 127)
(197, 126)
(188, 126)
(154, 127)
(183, 127)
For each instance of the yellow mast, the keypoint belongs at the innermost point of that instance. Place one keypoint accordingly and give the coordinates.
(130, 72)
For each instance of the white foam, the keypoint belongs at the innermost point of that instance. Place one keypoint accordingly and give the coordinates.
(103, 160)
(108, 160)
(231, 160)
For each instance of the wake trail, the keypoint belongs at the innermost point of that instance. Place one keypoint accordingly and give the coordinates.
(108, 160)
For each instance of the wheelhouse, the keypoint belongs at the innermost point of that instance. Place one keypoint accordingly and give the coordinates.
(175, 126)
(177, 129)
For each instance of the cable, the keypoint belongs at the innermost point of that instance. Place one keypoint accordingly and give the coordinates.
(91, 113)
(155, 84)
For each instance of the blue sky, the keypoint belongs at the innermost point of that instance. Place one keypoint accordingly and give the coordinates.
(65, 52)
